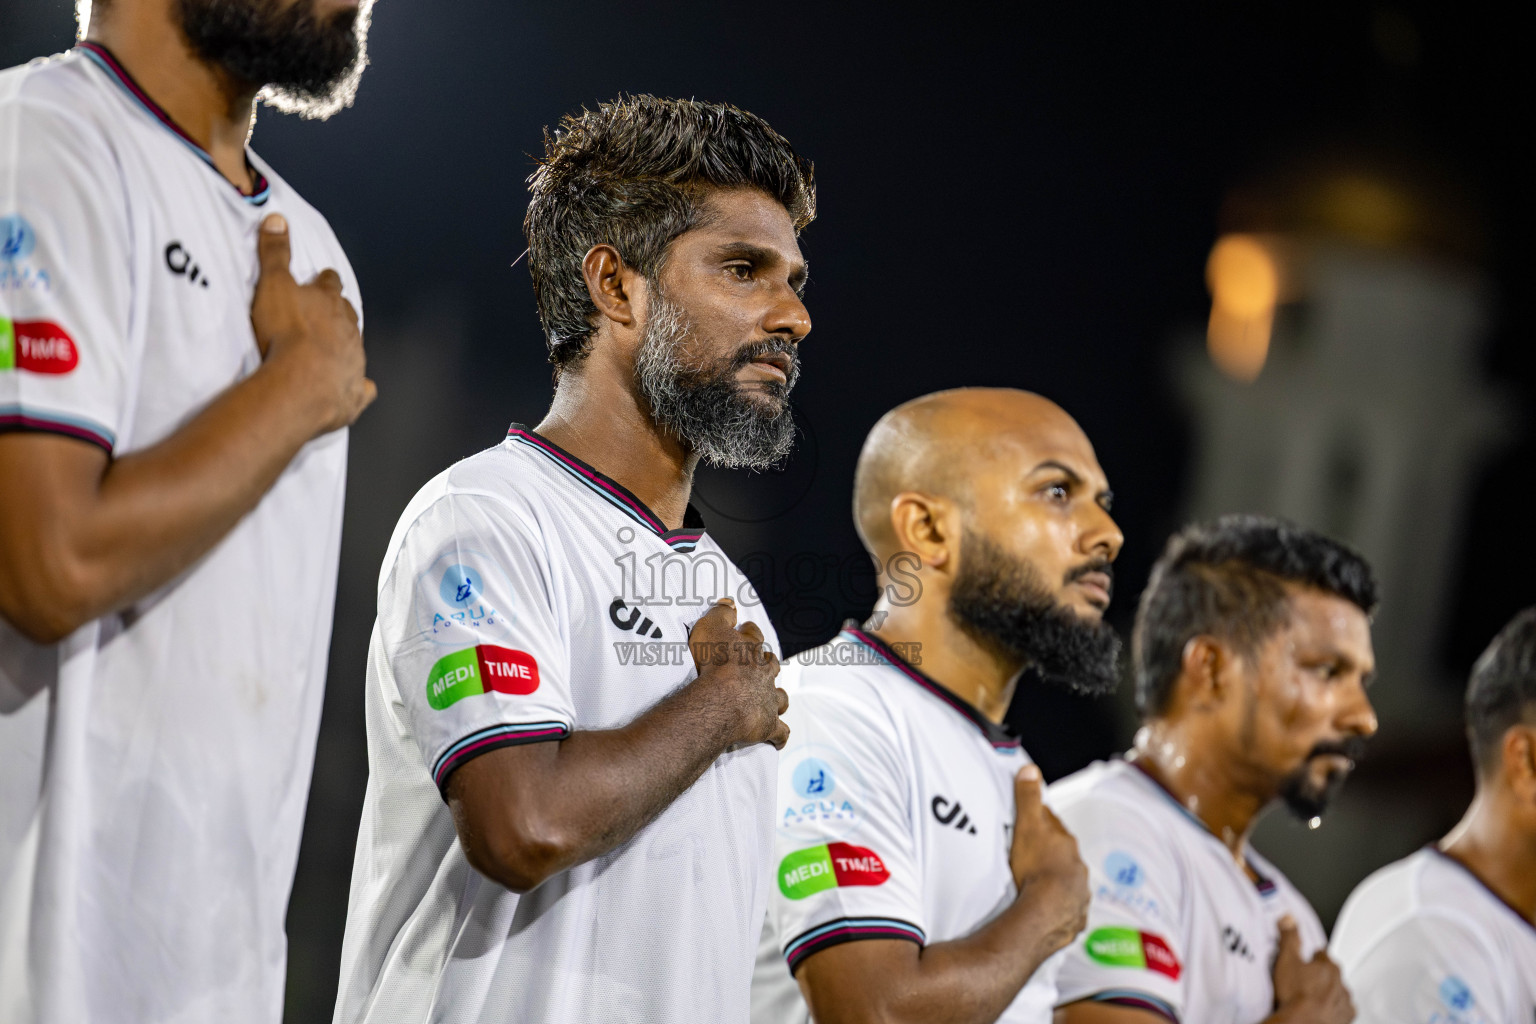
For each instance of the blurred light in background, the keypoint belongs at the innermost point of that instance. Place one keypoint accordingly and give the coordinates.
(1244, 279)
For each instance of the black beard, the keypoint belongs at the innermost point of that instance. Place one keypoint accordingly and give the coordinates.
(1305, 799)
(313, 65)
(1001, 602)
(706, 408)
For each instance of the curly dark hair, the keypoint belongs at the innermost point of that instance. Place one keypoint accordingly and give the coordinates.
(1502, 691)
(634, 173)
(1227, 579)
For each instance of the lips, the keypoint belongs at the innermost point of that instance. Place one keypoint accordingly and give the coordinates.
(1099, 586)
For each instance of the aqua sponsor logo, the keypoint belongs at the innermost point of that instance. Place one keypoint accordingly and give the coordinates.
(462, 599)
(1122, 869)
(17, 242)
(813, 778)
(819, 794)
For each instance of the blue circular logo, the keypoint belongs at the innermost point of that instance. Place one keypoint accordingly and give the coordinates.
(461, 585)
(17, 239)
(1456, 993)
(813, 778)
(1122, 869)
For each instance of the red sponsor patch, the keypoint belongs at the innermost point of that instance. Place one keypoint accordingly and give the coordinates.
(1159, 956)
(44, 347)
(856, 865)
(507, 671)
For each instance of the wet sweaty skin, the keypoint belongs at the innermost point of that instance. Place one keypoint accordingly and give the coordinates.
(1019, 470)
(1308, 713)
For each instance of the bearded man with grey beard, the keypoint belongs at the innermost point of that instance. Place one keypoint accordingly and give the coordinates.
(919, 876)
(180, 356)
(590, 828)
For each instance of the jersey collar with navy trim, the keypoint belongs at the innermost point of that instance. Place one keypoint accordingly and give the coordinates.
(104, 59)
(685, 538)
(1000, 736)
(1262, 882)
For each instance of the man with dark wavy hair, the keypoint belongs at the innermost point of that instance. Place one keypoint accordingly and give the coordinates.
(1252, 650)
(569, 816)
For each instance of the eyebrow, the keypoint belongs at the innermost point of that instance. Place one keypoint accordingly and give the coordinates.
(1074, 476)
(762, 256)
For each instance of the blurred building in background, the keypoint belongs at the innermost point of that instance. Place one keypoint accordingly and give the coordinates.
(1341, 386)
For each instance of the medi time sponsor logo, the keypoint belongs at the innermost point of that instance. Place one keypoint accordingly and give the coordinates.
(36, 345)
(829, 866)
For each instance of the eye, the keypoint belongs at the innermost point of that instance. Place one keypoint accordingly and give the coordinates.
(740, 271)
(1057, 492)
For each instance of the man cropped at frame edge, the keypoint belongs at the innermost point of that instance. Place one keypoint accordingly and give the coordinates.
(173, 458)
(553, 832)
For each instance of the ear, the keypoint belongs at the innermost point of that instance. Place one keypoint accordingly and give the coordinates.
(1519, 750)
(925, 526)
(1208, 672)
(610, 284)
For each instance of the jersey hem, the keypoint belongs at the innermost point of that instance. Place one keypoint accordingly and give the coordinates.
(1134, 999)
(14, 418)
(848, 929)
(484, 741)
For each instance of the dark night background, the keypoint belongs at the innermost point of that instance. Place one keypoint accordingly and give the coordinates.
(1024, 200)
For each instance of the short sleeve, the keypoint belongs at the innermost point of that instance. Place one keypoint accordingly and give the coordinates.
(845, 860)
(468, 627)
(1427, 969)
(1131, 953)
(65, 277)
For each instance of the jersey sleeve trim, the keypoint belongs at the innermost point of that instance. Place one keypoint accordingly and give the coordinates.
(15, 418)
(1136, 1000)
(849, 929)
(484, 741)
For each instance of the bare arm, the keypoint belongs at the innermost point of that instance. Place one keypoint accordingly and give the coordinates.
(528, 812)
(82, 535)
(970, 980)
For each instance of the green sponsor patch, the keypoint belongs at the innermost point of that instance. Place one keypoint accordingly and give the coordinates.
(453, 678)
(1117, 947)
(7, 345)
(805, 872)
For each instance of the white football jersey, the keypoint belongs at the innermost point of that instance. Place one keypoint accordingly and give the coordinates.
(525, 595)
(1423, 941)
(155, 764)
(895, 818)
(1175, 925)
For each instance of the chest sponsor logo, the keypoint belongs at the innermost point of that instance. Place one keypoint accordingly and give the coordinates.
(36, 345)
(17, 241)
(952, 815)
(627, 618)
(180, 262)
(1128, 947)
(482, 669)
(1233, 942)
(829, 866)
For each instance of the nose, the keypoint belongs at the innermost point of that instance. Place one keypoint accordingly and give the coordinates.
(788, 316)
(1358, 716)
(1101, 536)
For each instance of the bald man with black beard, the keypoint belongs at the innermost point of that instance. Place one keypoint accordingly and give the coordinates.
(919, 876)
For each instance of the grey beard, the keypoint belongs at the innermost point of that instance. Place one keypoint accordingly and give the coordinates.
(706, 408)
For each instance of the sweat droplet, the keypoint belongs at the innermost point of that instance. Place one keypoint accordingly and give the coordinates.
(1314, 823)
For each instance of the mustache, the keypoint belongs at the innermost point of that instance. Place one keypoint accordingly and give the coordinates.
(768, 347)
(1352, 747)
(1100, 564)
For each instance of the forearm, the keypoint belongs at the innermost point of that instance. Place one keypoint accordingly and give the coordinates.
(526, 813)
(971, 980)
(76, 546)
